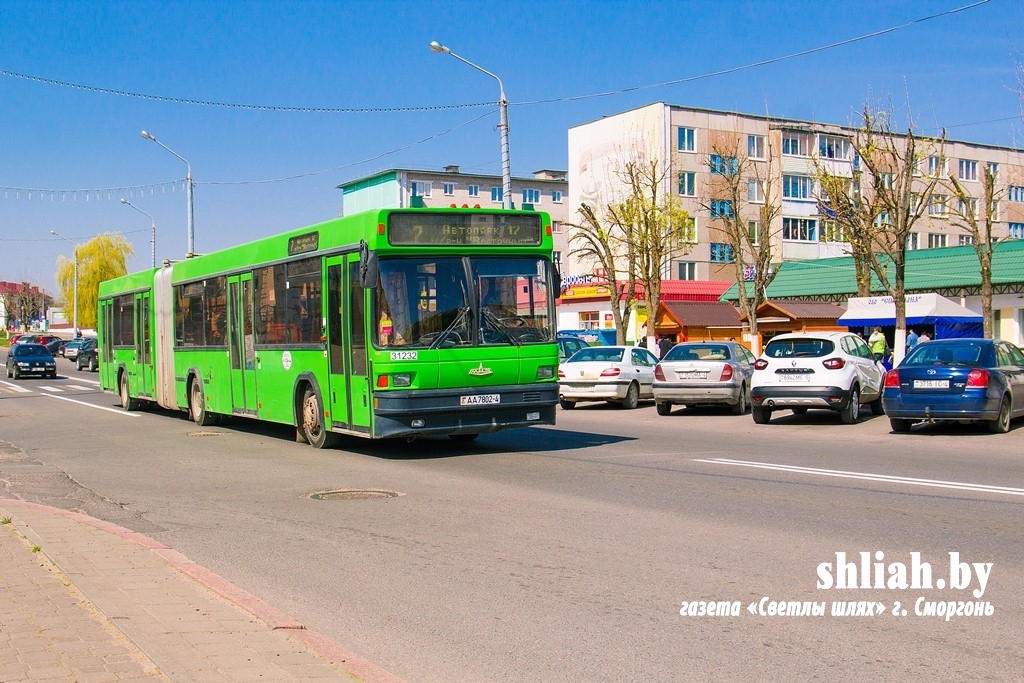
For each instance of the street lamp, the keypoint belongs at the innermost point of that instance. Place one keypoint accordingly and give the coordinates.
(188, 191)
(506, 169)
(152, 227)
(75, 245)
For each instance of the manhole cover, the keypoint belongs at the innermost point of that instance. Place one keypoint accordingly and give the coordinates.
(207, 433)
(355, 494)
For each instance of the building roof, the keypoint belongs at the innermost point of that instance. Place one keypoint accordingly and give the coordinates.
(693, 290)
(803, 310)
(548, 175)
(928, 270)
(702, 313)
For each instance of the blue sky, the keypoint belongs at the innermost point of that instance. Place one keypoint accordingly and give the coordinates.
(262, 171)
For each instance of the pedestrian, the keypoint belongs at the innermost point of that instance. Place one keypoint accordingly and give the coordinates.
(923, 337)
(877, 343)
(664, 344)
(912, 340)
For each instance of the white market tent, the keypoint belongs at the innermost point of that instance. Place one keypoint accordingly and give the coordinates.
(948, 317)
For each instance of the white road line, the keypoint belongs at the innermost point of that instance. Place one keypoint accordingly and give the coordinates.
(15, 387)
(79, 387)
(867, 476)
(55, 390)
(89, 405)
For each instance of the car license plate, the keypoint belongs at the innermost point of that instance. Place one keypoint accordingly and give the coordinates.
(931, 384)
(480, 399)
(692, 375)
(802, 377)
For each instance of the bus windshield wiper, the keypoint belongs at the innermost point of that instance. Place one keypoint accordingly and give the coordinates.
(465, 314)
(494, 323)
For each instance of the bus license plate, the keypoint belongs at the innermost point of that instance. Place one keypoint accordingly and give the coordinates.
(480, 399)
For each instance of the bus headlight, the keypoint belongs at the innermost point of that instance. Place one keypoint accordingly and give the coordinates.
(545, 372)
(401, 380)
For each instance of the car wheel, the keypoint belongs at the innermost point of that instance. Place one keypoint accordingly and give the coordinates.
(632, 396)
(127, 402)
(566, 403)
(876, 407)
(761, 415)
(312, 424)
(79, 366)
(17, 373)
(1001, 424)
(899, 425)
(94, 365)
(664, 408)
(851, 412)
(740, 406)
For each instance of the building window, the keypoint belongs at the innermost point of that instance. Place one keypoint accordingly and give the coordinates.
(796, 187)
(720, 252)
(968, 207)
(720, 208)
(686, 270)
(1017, 231)
(1015, 193)
(686, 140)
(449, 189)
(993, 169)
(882, 220)
(556, 196)
(833, 231)
(688, 233)
(531, 196)
(755, 146)
(966, 240)
(474, 190)
(752, 232)
(936, 240)
(912, 241)
(833, 147)
(885, 180)
(800, 229)
(995, 210)
(590, 320)
(721, 165)
(421, 189)
(936, 166)
(755, 191)
(968, 169)
(795, 144)
(556, 227)
(937, 205)
(497, 194)
(688, 184)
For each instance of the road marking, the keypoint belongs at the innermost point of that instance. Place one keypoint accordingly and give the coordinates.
(56, 390)
(89, 405)
(79, 387)
(867, 476)
(15, 387)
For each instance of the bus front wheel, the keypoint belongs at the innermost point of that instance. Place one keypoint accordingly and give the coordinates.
(312, 422)
(197, 404)
(127, 402)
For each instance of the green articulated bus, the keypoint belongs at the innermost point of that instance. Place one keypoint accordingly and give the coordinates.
(389, 323)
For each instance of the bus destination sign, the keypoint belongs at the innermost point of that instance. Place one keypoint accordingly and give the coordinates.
(301, 244)
(464, 229)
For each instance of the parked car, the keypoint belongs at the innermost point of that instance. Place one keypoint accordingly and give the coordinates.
(802, 370)
(72, 348)
(30, 359)
(88, 357)
(957, 379)
(616, 374)
(56, 346)
(568, 345)
(698, 373)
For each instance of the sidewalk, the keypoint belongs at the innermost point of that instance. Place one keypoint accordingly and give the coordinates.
(87, 601)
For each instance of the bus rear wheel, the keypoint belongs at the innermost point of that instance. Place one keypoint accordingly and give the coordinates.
(312, 422)
(127, 402)
(197, 404)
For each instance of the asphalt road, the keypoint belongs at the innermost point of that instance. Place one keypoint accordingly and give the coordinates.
(566, 553)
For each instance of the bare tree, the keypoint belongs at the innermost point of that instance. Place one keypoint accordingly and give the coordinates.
(636, 232)
(853, 213)
(901, 171)
(977, 216)
(742, 202)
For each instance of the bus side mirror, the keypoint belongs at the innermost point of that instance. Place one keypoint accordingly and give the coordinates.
(368, 274)
(557, 278)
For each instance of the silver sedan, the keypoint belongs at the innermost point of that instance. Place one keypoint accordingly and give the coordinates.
(616, 374)
(697, 373)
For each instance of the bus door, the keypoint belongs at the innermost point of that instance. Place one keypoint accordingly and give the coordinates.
(241, 345)
(348, 395)
(143, 346)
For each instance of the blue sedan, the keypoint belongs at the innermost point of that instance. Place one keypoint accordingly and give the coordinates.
(30, 359)
(957, 379)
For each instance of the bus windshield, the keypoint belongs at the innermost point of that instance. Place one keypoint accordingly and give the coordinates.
(467, 301)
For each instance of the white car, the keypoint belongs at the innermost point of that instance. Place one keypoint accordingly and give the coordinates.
(831, 370)
(617, 374)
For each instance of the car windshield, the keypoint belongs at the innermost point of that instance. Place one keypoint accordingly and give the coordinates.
(30, 350)
(597, 354)
(799, 348)
(937, 353)
(699, 352)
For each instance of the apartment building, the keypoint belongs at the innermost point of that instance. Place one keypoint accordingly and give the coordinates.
(406, 187)
(781, 159)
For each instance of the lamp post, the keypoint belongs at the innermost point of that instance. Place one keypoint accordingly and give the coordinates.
(75, 245)
(188, 191)
(506, 169)
(152, 227)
